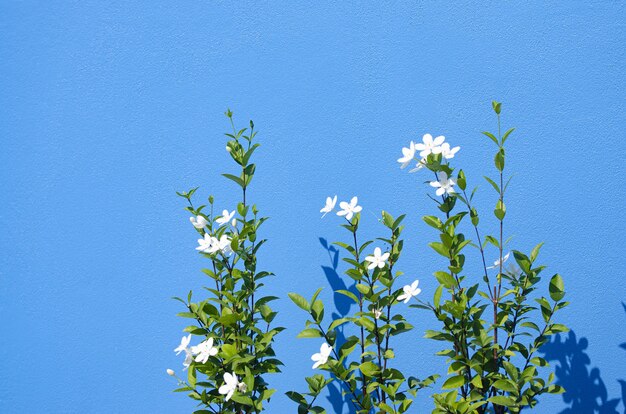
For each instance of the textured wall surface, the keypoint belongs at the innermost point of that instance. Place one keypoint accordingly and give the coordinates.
(109, 107)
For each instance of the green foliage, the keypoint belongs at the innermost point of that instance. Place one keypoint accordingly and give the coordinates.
(489, 330)
(234, 314)
(363, 364)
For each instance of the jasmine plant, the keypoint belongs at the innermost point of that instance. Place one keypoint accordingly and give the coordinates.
(226, 370)
(491, 330)
(362, 363)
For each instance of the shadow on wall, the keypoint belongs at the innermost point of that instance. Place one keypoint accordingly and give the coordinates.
(585, 389)
(342, 304)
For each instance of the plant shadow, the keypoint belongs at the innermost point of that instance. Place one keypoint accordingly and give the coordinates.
(586, 392)
(337, 393)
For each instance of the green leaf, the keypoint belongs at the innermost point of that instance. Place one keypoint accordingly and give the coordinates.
(300, 301)
(502, 400)
(440, 248)
(433, 221)
(497, 106)
(535, 252)
(228, 350)
(493, 184)
(317, 310)
(369, 369)
(453, 382)
(437, 298)
(445, 279)
(500, 210)
(310, 333)
(505, 385)
(491, 137)
(506, 135)
(557, 287)
(364, 289)
(191, 376)
(499, 159)
(236, 179)
(296, 397)
(348, 294)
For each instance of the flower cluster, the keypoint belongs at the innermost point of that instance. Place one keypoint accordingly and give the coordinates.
(432, 152)
(211, 245)
(347, 210)
(201, 352)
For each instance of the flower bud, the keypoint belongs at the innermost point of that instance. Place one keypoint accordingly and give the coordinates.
(170, 372)
(242, 387)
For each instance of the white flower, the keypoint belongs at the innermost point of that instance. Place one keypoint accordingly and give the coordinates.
(184, 344)
(420, 164)
(447, 152)
(170, 372)
(430, 145)
(198, 222)
(407, 155)
(349, 210)
(221, 245)
(330, 205)
(410, 291)
(497, 262)
(378, 259)
(225, 217)
(321, 357)
(377, 313)
(230, 385)
(204, 350)
(242, 387)
(205, 244)
(444, 185)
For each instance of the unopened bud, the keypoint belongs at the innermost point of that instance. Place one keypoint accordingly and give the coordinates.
(170, 372)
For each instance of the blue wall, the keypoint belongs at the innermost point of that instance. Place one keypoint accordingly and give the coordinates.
(108, 108)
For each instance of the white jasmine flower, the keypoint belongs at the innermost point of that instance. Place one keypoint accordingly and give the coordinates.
(198, 222)
(205, 244)
(230, 385)
(420, 164)
(321, 357)
(378, 259)
(407, 155)
(349, 210)
(184, 344)
(204, 350)
(444, 185)
(497, 262)
(330, 205)
(170, 372)
(410, 291)
(221, 245)
(430, 145)
(377, 313)
(447, 152)
(242, 387)
(225, 217)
